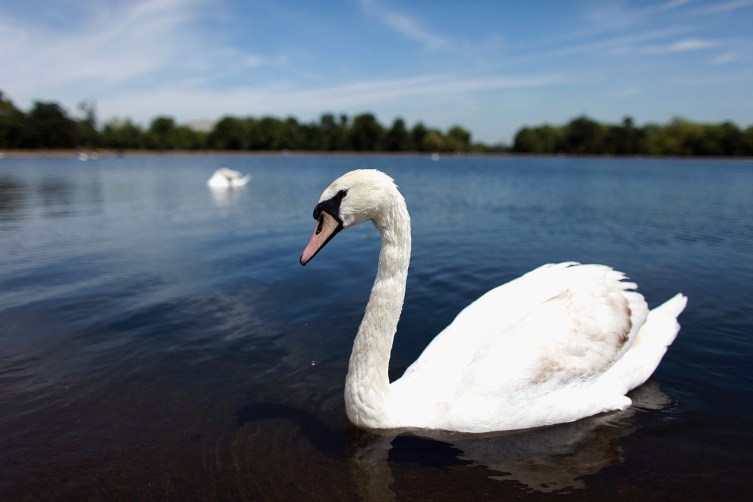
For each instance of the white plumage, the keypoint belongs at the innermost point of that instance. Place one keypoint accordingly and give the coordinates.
(228, 178)
(562, 342)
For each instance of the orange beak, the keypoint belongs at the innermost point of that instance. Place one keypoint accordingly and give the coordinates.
(326, 228)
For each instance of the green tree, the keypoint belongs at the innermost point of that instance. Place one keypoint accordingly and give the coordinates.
(552, 139)
(333, 133)
(253, 140)
(344, 137)
(418, 134)
(397, 138)
(542, 139)
(525, 141)
(729, 139)
(292, 136)
(623, 139)
(366, 133)
(434, 141)
(12, 122)
(653, 140)
(747, 147)
(86, 128)
(186, 138)
(269, 134)
(458, 139)
(311, 136)
(48, 126)
(122, 134)
(229, 133)
(161, 133)
(584, 136)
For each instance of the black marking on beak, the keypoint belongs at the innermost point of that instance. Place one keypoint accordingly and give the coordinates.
(321, 224)
(330, 206)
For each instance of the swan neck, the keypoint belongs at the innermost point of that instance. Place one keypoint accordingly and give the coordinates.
(367, 384)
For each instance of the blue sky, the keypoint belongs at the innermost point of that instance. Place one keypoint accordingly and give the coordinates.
(490, 66)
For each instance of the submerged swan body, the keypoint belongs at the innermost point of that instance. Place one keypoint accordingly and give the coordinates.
(228, 178)
(562, 342)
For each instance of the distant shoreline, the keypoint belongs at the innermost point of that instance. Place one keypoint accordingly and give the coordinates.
(109, 153)
(225, 153)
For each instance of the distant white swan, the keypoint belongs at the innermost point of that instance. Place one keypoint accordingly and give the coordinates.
(563, 342)
(228, 178)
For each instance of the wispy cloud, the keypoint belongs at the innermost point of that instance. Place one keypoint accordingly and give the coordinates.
(727, 6)
(310, 101)
(130, 44)
(673, 4)
(686, 45)
(110, 47)
(609, 45)
(404, 24)
(725, 58)
(611, 16)
(615, 27)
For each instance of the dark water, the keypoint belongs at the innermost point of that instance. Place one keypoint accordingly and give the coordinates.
(159, 341)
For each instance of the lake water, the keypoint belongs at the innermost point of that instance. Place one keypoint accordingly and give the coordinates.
(160, 341)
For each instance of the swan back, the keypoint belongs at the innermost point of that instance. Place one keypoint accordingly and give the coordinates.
(228, 178)
(511, 356)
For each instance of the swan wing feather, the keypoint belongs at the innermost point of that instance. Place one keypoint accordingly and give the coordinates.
(556, 324)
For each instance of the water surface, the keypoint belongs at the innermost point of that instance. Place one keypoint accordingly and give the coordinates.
(159, 341)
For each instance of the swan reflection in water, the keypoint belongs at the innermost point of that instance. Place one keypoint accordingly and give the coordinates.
(547, 459)
(224, 198)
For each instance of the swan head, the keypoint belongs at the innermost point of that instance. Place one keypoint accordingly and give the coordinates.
(353, 198)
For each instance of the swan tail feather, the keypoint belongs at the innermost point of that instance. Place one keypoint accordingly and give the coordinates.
(648, 348)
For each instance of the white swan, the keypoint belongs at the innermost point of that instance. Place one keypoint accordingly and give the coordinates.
(563, 342)
(227, 178)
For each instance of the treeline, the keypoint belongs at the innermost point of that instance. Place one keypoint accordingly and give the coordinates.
(583, 136)
(48, 125)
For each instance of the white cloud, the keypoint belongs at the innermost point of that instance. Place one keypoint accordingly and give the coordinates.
(404, 24)
(108, 47)
(727, 6)
(193, 103)
(673, 4)
(725, 58)
(408, 27)
(689, 44)
(612, 16)
(612, 45)
(112, 48)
